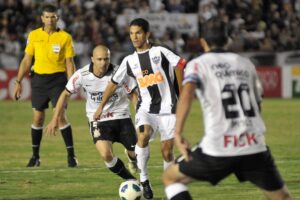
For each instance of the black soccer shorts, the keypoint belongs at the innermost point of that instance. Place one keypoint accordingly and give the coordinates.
(258, 168)
(46, 88)
(119, 130)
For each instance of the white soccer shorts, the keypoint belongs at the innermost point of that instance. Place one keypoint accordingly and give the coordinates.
(162, 123)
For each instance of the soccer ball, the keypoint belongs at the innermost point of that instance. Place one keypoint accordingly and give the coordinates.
(130, 190)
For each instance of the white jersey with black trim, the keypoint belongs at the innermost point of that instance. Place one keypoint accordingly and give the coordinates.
(154, 72)
(117, 106)
(228, 90)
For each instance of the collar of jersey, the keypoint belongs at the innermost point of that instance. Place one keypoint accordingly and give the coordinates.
(141, 52)
(218, 50)
(110, 68)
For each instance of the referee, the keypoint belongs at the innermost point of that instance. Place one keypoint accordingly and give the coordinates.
(52, 50)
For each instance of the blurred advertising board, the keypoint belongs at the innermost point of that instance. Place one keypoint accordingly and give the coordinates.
(7, 81)
(271, 79)
(295, 81)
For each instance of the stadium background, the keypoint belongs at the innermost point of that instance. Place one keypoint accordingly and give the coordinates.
(276, 56)
(267, 31)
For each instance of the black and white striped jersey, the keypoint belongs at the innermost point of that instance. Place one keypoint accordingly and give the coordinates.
(154, 72)
(117, 106)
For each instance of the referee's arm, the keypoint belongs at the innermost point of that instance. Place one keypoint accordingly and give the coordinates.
(23, 69)
(70, 67)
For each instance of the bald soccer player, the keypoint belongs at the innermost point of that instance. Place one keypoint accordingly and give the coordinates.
(115, 125)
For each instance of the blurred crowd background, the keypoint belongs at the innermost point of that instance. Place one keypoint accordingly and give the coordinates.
(254, 25)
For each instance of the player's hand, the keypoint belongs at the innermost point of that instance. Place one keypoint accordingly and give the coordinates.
(51, 128)
(98, 113)
(17, 91)
(183, 147)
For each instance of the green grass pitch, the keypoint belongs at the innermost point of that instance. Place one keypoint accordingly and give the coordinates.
(91, 180)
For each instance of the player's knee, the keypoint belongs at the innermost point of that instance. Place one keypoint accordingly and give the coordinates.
(143, 139)
(106, 156)
(38, 121)
(167, 155)
(62, 120)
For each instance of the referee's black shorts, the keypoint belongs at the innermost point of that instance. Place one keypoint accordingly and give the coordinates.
(118, 130)
(258, 168)
(45, 88)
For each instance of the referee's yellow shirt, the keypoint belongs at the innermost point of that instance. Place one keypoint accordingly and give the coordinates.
(49, 51)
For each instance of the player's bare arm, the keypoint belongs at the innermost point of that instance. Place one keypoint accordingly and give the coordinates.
(70, 67)
(133, 97)
(110, 89)
(62, 101)
(183, 109)
(23, 69)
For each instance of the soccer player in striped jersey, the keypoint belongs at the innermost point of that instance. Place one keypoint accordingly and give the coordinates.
(115, 124)
(153, 67)
(228, 89)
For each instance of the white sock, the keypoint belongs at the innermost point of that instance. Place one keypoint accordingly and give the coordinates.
(167, 164)
(112, 163)
(174, 189)
(142, 157)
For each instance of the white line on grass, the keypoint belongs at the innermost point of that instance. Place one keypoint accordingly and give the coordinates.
(39, 170)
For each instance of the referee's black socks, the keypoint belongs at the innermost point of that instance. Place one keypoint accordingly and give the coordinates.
(36, 137)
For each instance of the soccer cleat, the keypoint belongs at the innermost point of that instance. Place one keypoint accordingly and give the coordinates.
(132, 165)
(72, 161)
(147, 190)
(34, 162)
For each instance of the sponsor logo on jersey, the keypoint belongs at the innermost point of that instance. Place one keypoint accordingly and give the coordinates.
(245, 139)
(107, 115)
(150, 80)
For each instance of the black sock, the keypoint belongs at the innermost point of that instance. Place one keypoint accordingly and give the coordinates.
(185, 195)
(36, 137)
(120, 170)
(68, 138)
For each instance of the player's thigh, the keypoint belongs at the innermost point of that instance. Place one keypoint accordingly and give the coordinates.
(39, 98)
(146, 125)
(173, 175)
(55, 92)
(127, 134)
(260, 169)
(204, 167)
(280, 194)
(104, 148)
(39, 92)
(166, 126)
(102, 131)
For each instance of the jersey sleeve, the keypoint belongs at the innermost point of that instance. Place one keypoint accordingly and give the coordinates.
(192, 73)
(70, 52)
(175, 60)
(29, 45)
(120, 73)
(258, 89)
(129, 84)
(75, 82)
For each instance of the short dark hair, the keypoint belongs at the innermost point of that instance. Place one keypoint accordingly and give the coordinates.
(144, 24)
(49, 8)
(215, 32)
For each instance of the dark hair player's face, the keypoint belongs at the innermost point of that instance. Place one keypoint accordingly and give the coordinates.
(138, 36)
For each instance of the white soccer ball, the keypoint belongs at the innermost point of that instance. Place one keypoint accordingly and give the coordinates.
(130, 190)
